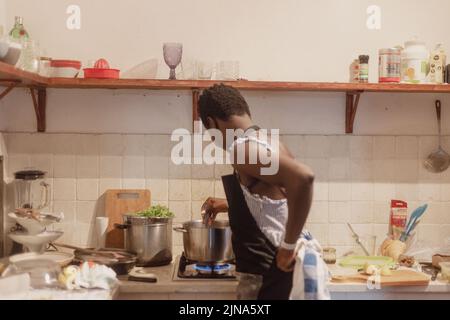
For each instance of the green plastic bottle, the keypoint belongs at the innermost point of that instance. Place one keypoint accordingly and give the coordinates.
(18, 32)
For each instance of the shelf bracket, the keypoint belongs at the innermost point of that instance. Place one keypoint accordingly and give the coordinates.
(8, 90)
(195, 115)
(351, 106)
(40, 105)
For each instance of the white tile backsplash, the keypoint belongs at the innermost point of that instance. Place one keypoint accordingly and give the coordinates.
(356, 177)
(64, 189)
(407, 147)
(64, 166)
(87, 167)
(110, 167)
(87, 189)
(383, 147)
(180, 189)
(361, 147)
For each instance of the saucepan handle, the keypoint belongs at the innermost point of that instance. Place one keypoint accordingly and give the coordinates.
(180, 229)
(121, 226)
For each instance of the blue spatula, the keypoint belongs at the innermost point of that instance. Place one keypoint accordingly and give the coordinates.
(412, 223)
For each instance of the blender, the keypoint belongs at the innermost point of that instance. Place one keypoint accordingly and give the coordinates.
(32, 192)
(32, 195)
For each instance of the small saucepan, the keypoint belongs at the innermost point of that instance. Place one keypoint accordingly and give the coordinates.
(207, 244)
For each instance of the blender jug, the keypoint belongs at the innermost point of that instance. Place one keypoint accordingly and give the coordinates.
(32, 192)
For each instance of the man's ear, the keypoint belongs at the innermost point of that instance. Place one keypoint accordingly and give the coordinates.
(211, 123)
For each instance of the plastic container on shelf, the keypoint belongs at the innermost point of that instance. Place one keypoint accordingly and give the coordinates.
(389, 65)
(65, 68)
(415, 62)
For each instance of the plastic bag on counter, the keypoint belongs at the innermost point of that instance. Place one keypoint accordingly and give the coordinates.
(423, 252)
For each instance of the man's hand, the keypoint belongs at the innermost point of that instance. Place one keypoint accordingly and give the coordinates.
(211, 208)
(285, 259)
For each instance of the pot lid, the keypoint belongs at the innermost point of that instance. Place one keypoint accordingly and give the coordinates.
(29, 174)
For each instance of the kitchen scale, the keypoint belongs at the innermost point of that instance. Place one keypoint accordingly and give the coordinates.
(190, 270)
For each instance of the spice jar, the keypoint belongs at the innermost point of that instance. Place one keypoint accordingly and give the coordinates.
(329, 255)
(363, 68)
(354, 71)
(389, 65)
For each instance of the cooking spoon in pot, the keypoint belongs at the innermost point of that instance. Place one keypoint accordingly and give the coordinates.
(439, 160)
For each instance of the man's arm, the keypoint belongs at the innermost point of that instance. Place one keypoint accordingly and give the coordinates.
(297, 179)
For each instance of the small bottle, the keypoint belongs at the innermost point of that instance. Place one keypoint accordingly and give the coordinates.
(18, 32)
(363, 68)
(354, 71)
(437, 65)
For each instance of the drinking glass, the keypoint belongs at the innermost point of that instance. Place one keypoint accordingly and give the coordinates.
(205, 70)
(228, 70)
(172, 56)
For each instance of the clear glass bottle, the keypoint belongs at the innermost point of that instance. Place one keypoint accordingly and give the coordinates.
(18, 32)
(29, 60)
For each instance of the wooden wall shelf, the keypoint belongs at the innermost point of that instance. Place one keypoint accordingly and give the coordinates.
(11, 77)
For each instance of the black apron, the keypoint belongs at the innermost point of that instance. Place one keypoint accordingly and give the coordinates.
(254, 253)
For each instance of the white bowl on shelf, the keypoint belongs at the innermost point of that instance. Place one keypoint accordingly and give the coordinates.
(13, 53)
(4, 47)
(145, 70)
(35, 243)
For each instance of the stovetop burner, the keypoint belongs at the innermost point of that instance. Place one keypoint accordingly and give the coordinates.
(192, 270)
(212, 269)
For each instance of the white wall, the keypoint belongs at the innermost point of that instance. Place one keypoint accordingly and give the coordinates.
(3, 16)
(284, 40)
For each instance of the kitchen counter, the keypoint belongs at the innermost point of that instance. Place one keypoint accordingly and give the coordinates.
(167, 288)
(49, 294)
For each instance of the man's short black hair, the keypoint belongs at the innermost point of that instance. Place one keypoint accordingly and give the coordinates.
(222, 102)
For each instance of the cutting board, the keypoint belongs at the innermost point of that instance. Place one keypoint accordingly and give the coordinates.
(397, 279)
(120, 202)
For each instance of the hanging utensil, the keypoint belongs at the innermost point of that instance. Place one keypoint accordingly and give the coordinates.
(439, 160)
(357, 239)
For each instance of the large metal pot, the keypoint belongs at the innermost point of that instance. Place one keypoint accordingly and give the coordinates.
(149, 238)
(207, 244)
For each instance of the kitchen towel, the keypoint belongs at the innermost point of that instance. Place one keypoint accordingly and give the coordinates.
(311, 274)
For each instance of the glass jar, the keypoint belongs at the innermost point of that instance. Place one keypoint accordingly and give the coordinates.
(29, 60)
(44, 66)
(329, 255)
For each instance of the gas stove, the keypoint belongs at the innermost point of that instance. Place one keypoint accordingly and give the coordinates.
(191, 270)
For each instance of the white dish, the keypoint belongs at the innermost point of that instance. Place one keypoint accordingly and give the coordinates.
(35, 243)
(4, 47)
(33, 226)
(145, 70)
(61, 258)
(13, 53)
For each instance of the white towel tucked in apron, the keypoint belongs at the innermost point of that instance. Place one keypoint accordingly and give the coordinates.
(311, 274)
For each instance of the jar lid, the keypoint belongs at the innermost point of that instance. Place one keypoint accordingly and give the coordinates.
(29, 174)
(389, 50)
